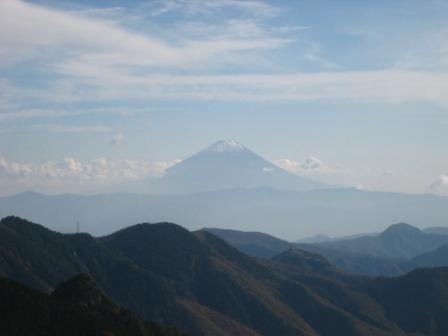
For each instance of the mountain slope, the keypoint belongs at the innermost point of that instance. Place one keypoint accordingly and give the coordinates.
(435, 258)
(227, 164)
(350, 260)
(206, 276)
(76, 307)
(440, 230)
(256, 244)
(399, 241)
(161, 271)
(262, 245)
(416, 300)
(204, 286)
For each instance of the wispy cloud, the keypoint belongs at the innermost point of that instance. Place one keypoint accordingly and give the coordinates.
(208, 7)
(77, 54)
(96, 61)
(13, 114)
(71, 129)
(28, 31)
(388, 86)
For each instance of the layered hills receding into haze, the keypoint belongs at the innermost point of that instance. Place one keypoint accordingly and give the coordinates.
(228, 186)
(395, 251)
(203, 286)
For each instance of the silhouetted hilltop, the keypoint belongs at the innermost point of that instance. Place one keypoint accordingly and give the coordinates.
(76, 307)
(305, 261)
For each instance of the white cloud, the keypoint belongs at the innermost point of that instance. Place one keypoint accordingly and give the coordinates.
(440, 183)
(13, 169)
(29, 31)
(311, 166)
(70, 170)
(94, 60)
(79, 53)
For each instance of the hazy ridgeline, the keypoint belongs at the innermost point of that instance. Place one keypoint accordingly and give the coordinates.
(228, 186)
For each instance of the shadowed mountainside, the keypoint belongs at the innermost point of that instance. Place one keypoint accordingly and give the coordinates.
(76, 307)
(389, 253)
(204, 286)
(436, 258)
(256, 244)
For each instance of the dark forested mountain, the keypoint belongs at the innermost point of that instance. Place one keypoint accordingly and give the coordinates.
(204, 286)
(256, 244)
(359, 263)
(306, 261)
(404, 299)
(76, 307)
(295, 214)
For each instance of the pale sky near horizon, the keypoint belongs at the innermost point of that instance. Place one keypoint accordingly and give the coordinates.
(94, 93)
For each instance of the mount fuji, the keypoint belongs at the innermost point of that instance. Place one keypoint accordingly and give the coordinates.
(227, 164)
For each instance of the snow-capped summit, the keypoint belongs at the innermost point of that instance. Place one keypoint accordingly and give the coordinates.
(225, 146)
(227, 164)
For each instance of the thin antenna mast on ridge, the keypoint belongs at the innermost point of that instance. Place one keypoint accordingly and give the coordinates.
(77, 226)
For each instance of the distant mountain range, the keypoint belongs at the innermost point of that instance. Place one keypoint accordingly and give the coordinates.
(76, 307)
(228, 186)
(434, 258)
(287, 214)
(399, 241)
(204, 286)
(441, 230)
(322, 238)
(395, 251)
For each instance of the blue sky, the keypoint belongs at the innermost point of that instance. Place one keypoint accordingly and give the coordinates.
(93, 93)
